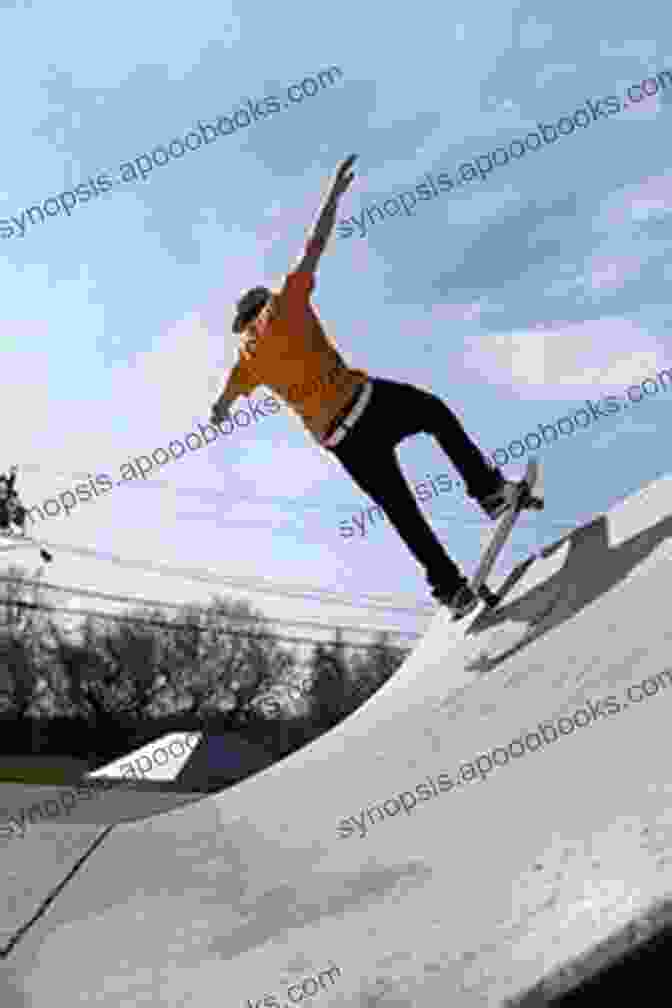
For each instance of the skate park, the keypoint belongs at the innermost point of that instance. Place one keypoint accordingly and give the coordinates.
(266, 891)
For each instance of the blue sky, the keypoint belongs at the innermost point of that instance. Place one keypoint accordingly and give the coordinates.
(515, 298)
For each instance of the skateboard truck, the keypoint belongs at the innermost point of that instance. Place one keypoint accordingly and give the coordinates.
(529, 501)
(490, 598)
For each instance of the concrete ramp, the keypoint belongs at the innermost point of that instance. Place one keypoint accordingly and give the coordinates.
(498, 808)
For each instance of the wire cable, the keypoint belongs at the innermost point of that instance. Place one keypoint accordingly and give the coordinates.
(137, 600)
(261, 585)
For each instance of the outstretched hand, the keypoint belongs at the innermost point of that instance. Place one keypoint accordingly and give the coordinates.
(219, 412)
(344, 176)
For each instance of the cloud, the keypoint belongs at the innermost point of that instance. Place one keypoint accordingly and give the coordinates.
(556, 359)
(639, 202)
(613, 272)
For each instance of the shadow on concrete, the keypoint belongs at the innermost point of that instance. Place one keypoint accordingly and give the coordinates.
(590, 570)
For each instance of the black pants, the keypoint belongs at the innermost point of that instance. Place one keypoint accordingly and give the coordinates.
(368, 454)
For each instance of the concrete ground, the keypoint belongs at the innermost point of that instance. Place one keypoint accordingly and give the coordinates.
(320, 880)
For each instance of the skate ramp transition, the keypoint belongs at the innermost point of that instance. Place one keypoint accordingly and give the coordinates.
(494, 821)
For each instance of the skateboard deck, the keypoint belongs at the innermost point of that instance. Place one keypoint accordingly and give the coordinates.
(529, 496)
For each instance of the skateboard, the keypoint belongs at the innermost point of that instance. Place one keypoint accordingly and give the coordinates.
(530, 496)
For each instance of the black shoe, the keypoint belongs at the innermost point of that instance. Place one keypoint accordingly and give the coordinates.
(459, 602)
(499, 502)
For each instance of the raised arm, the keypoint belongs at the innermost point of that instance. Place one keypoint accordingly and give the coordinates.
(236, 385)
(324, 224)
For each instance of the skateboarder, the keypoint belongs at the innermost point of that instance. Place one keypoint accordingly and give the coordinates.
(356, 418)
(11, 510)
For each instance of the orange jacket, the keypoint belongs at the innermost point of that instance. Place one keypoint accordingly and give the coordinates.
(287, 349)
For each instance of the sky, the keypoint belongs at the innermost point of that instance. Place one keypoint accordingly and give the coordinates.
(514, 297)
